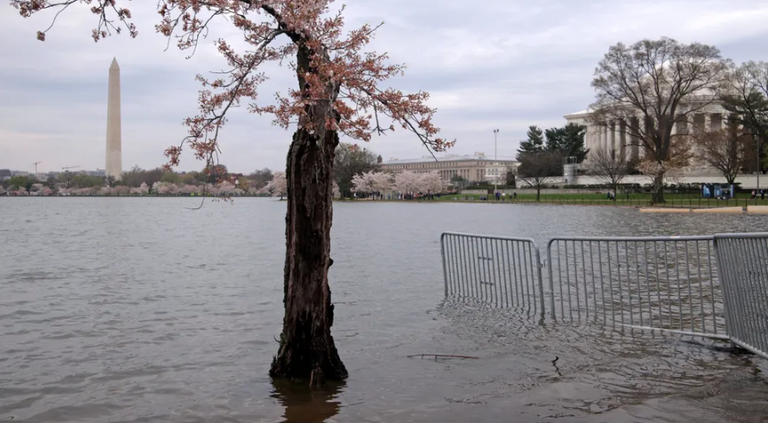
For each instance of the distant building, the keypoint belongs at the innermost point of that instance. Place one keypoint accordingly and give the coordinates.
(704, 114)
(476, 168)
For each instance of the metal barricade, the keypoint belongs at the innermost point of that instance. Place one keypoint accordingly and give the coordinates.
(743, 266)
(710, 286)
(667, 283)
(502, 271)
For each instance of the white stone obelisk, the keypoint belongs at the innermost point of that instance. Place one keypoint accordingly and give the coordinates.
(114, 166)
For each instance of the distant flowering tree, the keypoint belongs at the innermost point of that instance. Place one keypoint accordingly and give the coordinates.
(339, 91)
(141, 189)
(20, 191)
(407, 182)
(371, 182)
(166, 188)
(105, 190)
(46, 191)
(189, 189)
(278, 186)
(432, 182)
(121, 190)
(382, 182)
(363, 183)
(224, 188)
(2, 190)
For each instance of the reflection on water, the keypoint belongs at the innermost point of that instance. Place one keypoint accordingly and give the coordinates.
(139, 310)
(307, 405)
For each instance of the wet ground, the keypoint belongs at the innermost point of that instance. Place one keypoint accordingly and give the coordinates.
(138, 310)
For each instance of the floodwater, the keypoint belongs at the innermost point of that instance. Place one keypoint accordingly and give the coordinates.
(140, 310)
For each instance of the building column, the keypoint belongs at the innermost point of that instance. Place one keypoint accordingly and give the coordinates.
(612, 148)
(623, 140)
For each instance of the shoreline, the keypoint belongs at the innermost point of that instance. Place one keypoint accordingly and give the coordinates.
(678, 207)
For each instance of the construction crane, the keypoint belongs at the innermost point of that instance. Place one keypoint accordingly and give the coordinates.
(69, 167)
(36, 163)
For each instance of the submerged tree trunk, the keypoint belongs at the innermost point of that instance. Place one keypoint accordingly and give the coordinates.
(307, 350)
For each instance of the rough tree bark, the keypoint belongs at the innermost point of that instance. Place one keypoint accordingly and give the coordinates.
(307, 349)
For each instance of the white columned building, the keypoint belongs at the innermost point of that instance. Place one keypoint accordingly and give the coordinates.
(616, 136)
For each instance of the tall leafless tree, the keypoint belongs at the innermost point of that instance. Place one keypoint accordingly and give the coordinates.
(726, 150)
(609, 167)
(539, 168)
(746, 98)
(650, 87)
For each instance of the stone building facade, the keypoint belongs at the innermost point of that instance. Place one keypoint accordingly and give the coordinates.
(616, 136)
(475, 168)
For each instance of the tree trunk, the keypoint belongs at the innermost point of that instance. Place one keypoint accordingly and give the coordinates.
(658, 190)
(538, 192)
(307, 350)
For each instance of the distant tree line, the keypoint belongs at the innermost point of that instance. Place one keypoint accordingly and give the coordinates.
(543, 153)
(350, 161)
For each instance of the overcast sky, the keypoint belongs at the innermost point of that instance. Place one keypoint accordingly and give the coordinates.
(489, 64)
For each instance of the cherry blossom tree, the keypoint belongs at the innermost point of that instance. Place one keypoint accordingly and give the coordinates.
(339, 91)
(432, 182)
(189, 189)
(166, 188)
(2, 190)
(105, 190)
(372, 181)
(141, 189)
(20, 191)
(224, 188)
(121, 190)
(382, 182)
(362, 183)
(407, 182)
(278, 186)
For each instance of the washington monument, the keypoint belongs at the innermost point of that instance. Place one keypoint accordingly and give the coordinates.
(114, 166)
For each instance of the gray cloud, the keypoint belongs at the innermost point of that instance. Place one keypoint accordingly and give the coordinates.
(497, 64)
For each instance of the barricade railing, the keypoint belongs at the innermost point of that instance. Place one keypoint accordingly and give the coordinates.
(667, 283)
(743, 264)
(711, 286)
(502, 271)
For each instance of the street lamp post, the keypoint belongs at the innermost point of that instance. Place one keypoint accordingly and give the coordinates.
(759, 144)
(496, 163)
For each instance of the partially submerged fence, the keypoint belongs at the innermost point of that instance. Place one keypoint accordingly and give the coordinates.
(713, 286)
(502, 271)
(743, 264)
(656, 282)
